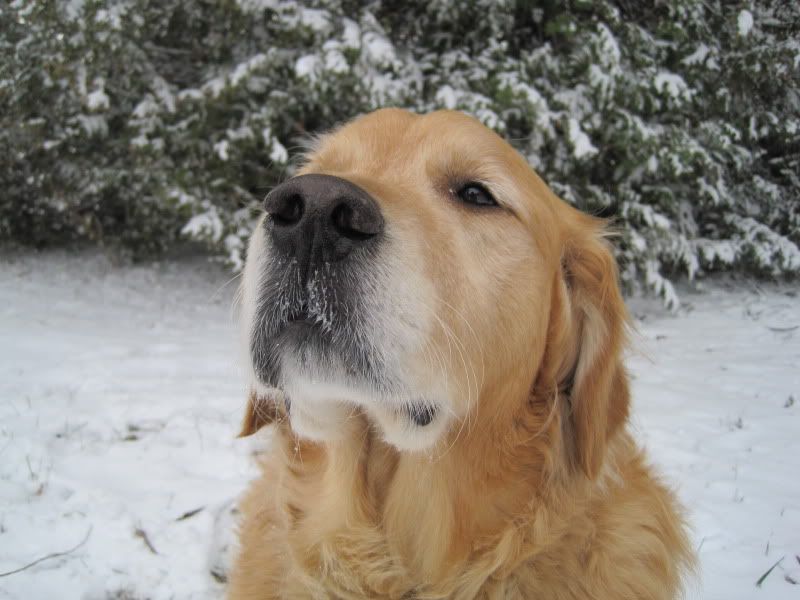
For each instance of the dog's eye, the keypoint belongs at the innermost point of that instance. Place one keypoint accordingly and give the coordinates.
(476, 194)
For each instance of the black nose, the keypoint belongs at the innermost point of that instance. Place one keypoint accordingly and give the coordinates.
(321, 218)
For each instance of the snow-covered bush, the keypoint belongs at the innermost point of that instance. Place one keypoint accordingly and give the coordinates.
(144, 122)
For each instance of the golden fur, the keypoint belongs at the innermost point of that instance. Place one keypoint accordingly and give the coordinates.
(535, 488)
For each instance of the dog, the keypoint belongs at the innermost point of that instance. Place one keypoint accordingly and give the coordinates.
(438, 340)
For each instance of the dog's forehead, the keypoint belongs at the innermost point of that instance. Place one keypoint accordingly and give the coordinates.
(406, 140)
(443, 148)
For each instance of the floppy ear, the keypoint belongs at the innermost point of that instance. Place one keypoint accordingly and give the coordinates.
(261, 411)
(587, 336)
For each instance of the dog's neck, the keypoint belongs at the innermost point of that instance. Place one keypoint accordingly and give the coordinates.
(433, 509)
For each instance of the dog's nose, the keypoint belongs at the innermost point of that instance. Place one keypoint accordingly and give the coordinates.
(321, 218)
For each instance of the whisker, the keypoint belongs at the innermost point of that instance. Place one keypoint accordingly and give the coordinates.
(214, 295)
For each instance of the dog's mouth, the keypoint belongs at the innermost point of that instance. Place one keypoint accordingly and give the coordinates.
(300, 314)
(317, 328)
(421, 415)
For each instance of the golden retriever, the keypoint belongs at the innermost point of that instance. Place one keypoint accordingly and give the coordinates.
(438, 339)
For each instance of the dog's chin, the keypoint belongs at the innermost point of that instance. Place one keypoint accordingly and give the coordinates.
(333, 422)
(326, 411)
(322, 422)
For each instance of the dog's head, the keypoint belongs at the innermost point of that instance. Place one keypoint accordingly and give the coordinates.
(418, 272)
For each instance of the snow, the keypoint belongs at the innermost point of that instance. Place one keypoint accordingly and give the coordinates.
(140, 141)
(335, 61)
(240, 74)
(488, 117)
(708, 190)
(164, 93)
(119, 405)
(602, 81)
(581, 144)
(190, 94)
(672, 85)
(379, 50)
(73, 9)
(183, 197)
(221, 148)
(204, 225)
(660, 285)
(537, 104)
(307, 66)
(98, 100)
(258, 5)
(279, 154)
(697, 57)
(712, 251)
(446, 97)
(351, 35)
(147, 107)
(247, 68)
(609, 54)
(316, 19)
(120, 397)
(93, 124)
(112, 16)
(717, 402)
(234, 247)
(240, 133)
(745, 22)
(770, 249)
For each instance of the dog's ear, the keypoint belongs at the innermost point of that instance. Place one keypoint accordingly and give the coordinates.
(261, 411)
(586, 339)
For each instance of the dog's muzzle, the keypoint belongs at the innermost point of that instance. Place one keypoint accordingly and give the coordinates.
(323, 234)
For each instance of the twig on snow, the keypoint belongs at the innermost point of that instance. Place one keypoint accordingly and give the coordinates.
(141, 533)
(783, 329)
(765, 575)
(49, 556)
(189, 514)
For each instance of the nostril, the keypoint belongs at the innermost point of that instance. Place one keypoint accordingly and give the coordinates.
(353, 225)
(288, 210)
(321, 217)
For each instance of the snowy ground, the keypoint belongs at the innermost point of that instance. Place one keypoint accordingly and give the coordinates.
(120, 399)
